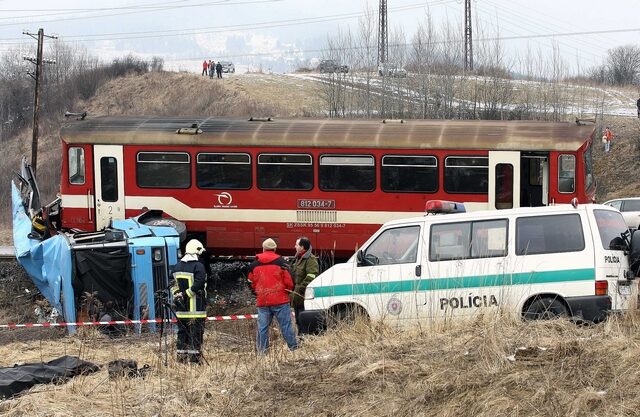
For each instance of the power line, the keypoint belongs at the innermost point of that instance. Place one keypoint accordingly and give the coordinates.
(154, 9)
(217, 29)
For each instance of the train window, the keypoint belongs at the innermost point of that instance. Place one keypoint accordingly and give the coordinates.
(163, 170)
(403, 173)
(566, 173)
(285, 172)
(588, 168)
(466, 174)
(109, 179)
(221, 171)
(76, 165)
(347, 173)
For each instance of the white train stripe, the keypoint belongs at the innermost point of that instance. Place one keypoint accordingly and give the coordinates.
(181, 211)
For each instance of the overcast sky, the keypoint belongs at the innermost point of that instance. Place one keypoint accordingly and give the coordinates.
(250, 30)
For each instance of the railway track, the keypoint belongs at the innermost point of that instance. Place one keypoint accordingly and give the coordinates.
(7, 254)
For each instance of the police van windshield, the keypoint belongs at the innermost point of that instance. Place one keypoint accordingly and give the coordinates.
(611, 226)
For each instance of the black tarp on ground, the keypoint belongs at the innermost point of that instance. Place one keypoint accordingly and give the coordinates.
(18, 378)
(107, 273)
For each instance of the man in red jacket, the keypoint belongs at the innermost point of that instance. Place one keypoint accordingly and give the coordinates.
(271, 281)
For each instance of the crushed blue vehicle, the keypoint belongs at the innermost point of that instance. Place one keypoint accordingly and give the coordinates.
(121, 272)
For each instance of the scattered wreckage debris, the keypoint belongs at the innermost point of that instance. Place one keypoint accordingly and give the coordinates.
(121, 368)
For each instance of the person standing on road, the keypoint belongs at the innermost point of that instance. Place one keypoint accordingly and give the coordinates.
(219, 69)
(304, 268)
(607, 137)
(271, 282)
(189, 298)
(212, 67)
(205, 67)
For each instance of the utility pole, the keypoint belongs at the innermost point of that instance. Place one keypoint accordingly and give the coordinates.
(383, 38)
(38, 61)
(468, 39)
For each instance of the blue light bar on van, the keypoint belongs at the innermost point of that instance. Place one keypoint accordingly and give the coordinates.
(443, 207)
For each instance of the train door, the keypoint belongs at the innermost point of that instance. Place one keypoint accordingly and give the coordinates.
(504, 179)
(534, 179)
(109, 184)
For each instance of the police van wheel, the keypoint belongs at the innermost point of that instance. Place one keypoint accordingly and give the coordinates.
(346, 314)
(546, 308)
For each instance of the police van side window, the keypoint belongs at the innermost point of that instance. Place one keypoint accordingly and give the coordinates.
(468, 240)
(489, 239)
(449, 241)
(611, 226)
(549, 234)
(394, 246)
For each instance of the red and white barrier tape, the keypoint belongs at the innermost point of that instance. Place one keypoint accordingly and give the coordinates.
(13, 326)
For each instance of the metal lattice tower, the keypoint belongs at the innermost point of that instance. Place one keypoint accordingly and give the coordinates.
(383, 39)
(468, 39)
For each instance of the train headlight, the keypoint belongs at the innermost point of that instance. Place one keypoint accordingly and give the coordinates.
(157, 255)
(309, 293)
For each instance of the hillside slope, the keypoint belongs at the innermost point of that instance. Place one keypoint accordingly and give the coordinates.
(245, 95)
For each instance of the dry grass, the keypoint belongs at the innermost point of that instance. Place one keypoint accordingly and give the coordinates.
(490, 367)
(185, 94)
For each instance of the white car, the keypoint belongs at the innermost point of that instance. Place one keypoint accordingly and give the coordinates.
(630, 209)
(228, 67)
(389, 69)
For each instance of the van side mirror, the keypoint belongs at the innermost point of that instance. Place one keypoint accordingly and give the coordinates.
(360, 257)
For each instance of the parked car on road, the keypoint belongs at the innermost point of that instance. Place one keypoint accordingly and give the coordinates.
(630, 208)
(330, 65)
(227, 66)
(390, 69)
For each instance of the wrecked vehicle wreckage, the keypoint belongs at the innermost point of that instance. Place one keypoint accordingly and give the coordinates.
(118, 273)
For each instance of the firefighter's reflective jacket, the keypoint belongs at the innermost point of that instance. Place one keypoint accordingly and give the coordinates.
(190, 290)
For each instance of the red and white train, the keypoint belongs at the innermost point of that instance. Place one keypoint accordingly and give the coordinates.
(235, 182)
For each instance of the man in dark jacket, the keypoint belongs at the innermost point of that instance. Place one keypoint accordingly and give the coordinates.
(271, 282)
(189, 298)
(304, 268)
(219, 69)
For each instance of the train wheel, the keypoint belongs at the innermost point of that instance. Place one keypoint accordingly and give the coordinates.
(168, 221)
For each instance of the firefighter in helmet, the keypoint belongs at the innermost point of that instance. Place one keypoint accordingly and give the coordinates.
(189, 298)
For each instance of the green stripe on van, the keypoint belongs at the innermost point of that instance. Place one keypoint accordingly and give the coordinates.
(434, 284)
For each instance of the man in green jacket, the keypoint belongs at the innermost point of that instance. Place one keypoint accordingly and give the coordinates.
(304, 268)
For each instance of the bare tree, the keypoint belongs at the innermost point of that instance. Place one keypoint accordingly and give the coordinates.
(624, 64)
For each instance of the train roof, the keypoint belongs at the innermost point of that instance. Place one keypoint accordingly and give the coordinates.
(338, 133)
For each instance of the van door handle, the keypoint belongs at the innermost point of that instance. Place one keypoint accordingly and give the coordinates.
(418, 270)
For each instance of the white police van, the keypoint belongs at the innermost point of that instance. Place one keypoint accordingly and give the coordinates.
(539, 262)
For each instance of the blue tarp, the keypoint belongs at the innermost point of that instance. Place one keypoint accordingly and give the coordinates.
(47, 262)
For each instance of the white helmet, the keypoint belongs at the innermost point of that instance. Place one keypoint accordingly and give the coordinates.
(194, 247)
